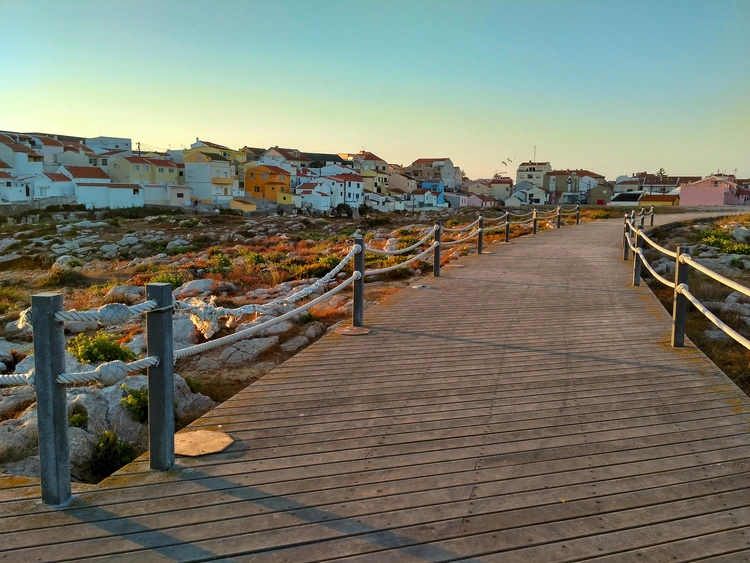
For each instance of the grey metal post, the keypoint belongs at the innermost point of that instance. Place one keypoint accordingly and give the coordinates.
(643, 220)
(578, 214)
(160, 378)
(534, 223)
(625, 245)
(436, 256)
(652, 215)
(51, 398)
(559, 217)
(358, 307)
(507, 229)
(637, 261)
(480, 239)
(679, 309)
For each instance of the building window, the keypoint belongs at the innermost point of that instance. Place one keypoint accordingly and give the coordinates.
(136, 167)
(180, 195)
(136, 191)
(171, 170)
(145, 167)
(7, 184)
(257, 189)
(161, 170)
(200, 159)
(104, 162)
(530, 176)
(182, 173)
(265, 176)
(282, 176)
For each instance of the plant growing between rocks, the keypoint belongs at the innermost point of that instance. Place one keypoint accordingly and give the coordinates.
(99, 348)
(136, 403)
(110, 454)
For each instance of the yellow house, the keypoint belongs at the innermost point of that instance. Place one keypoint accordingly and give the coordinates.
(284, 198)
(242, 204)
(140, 170)
(375, 181)
(267, 182)
(659, 199)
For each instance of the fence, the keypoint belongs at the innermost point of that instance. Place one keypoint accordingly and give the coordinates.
(633, 241)
(46, 317)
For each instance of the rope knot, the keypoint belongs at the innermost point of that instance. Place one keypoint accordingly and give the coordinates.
(113, 314)
(113, 372)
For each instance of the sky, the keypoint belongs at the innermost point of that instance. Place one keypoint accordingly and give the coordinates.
(616, 87)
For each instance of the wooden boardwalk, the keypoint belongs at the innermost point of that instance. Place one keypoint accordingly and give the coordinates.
(525, 407)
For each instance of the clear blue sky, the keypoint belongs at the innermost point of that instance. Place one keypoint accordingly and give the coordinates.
(613, 86)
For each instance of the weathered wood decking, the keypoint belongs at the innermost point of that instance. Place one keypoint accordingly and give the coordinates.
(526, 407)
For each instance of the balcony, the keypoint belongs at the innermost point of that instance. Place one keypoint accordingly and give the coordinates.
(218, 180)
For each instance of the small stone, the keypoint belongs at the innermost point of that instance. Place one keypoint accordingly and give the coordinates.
(295, 344)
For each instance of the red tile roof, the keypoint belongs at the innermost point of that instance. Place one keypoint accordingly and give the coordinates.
(78, 147)
(369, 156)
(214, 145)
(130, 186)
(84, 172)
(3, 165)
(307, 186)
(49, 141)
(17, 147)
(428, 160)
(349, 177)
(5, 175)
(421, 191)
(161, 162)
(57, 177)
(271, 168)
(136, 160)
(287, 153)
(112, 153)
(6, 139)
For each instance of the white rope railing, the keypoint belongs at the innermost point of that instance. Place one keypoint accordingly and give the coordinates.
(527, 222)
(729, 331)
(572, 210)
(648, 266)
(501, 218)
(495, 228)
(243, 334)
(402, 250)
(460, 229)
(404, 264)
(661, 249)
(529, 214)
(108, 373)
(17, 378)
(686, 259)
(108, 315)
(459, 241)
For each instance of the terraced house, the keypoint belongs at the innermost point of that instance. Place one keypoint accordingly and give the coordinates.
(268, 182)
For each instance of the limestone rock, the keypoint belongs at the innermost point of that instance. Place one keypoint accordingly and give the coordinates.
(176, 243)
(189, 405)
(207, 364)
(183, 331)
(245, 351)
(128, 240)
(129, 292)
(294, 344)
(315, 330)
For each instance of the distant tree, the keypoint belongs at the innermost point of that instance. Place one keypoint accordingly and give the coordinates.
(316, 164)
(662, 175)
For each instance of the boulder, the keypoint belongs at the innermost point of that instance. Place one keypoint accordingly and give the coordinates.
(294, 344)
(177, 243)
(129, 292)
(183, 331)
(246, 351)
(189, 405)
(315, 330)
(128, 240)
(741, 233)
(109, 248)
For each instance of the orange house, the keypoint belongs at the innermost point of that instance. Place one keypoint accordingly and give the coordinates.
(266, 182)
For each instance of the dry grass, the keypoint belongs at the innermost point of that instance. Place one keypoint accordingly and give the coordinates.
(17, 410)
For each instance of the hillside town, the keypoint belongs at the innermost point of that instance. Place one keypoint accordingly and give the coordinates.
(109, 173)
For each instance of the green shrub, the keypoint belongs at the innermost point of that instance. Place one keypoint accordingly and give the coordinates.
(73, 263)
(11, 299)
(99, 348)
(194, 385)
(180, 250)
(253, 258)
(136, 403)
(724, 242)
(65, 278)
(109, 455)
(450, 223)
(78, 417)
(305, 318)
(376, 221)
(169, 277)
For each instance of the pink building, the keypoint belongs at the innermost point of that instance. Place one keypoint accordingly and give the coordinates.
(713, 190)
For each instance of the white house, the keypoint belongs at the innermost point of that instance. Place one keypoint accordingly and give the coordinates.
(167, 195)
(314, 196)
(86, 174)
(112, 196)
(343, 188)
(433, 170)
(105, 144)
(212, 177)
(529, 196)
(423, 198)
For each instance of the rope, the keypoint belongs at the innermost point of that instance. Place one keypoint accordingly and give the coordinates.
(521, 214)
(461, 229)
(656, 246)
(402, 264)
(206, 316)
(17, 378)
(729, 331)
(503, 216)
(686, 259)
(528, 222)
(471, 236)
(403, 250)
(573, 210)
(108, 315)
(237, 336)
(495, 228)
(644, 262)
(108, 373)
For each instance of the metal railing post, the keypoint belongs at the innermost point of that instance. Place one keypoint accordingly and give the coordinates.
(625, 245)
(643, 219)
(51, 397)
(637, 260)
(535, 225)
(436, 256)
(507, 229)
(679, 308)
(559, 217)
(160, 343)
(652, 215)
(578, 214)
(358, 307)
(480, 239)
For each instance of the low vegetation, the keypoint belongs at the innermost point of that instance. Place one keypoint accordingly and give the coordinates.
(109, 455)
(136, 403)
